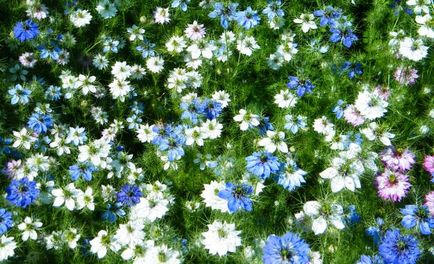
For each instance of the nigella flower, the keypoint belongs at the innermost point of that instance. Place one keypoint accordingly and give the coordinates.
(289, 248)
(40, 123)
(237, 196)
(273, 9)
(351, 215)
(294, 124)
(429, 202)
(147, 49)
(189, 111)
(344, 35)
(375, 230)
(19, 94)
(352, 69)
(112, 213)
(172, 142)
(396, 248)
(262, 164)
(405, 76)
(398, 159)
(392, 186)
(417, 216)
(22, 192)
(81, 170)
(226, 13)
(428, 165)
(265, 125)
(248, 18)
(6, 221)
(291, 177)
(301, 86)
(183, 4)
(370, 260)
(210, 109)
(129, 195)
(338, 110)
(328, 16)
(26, 30)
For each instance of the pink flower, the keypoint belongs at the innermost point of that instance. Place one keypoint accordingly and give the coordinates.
(429, 201)
(428, 164)
(392, 186)
(398, 160)
(406, 76)
(353, 116)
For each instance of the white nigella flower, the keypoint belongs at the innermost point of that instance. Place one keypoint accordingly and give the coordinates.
(99, 244)
(211, 129)
(120, 89)
(221, 238)
(373, 131)
(7, 247)
(76, 136)
(23, 138)
(412, 49)
(96, 152)
(176, 44)
(307, 22)
(201, 49)
(161, 15)
(86, 200)
(285, 99)
(145, 133)
(323, 215)
(150, 208)
(155, 64)
(246, 120)
(211, 198)
(324, 127)
(135, 33)
(426, 28)
(121, 70)
(222, 97)
(194, 136)
(106, 9)
(420, 6)
(71, 237)
(344, 173)
(162, 254)
(274, 140)
(80, 18)
(247, 45)
(86, 83)
(65, 196)
(29, 227)
(130, 233)
(371, 104)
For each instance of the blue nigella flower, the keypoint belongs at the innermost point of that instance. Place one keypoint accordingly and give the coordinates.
(19, 94)
(291, 177)
(237, 196)
(294, 124)
(53, 93)
(189, 111)
(328, 16)
(301, 86)
(26, 30)
(338, 109)
(375, 231)
(40, 123)
(113, 212)
(273, 9)
(289, 248)
(248, 18)
(226, 13)
(147, 49)
(6, 221)
(396, 248)
(183, 4)
(265, 125)
(345, 35)
(22, 192)
(81, 170)
(352, 69)
(210, 109)
(172, 142)
(370, 260)
(129, 195)
(351, 215)
(262, 164)
(417, 216)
